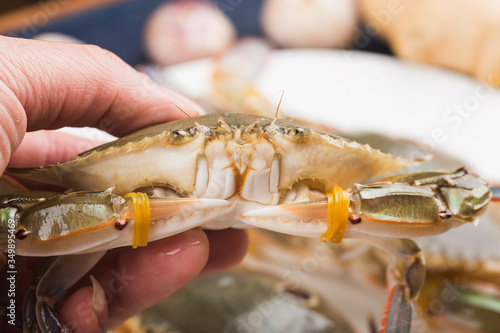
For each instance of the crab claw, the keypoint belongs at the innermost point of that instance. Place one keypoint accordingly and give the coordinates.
(408, 273)
(399, 312)
(169, 215)
(306, 218)
(165, 207)
(101, 220)
(329, 215)
(309, 210)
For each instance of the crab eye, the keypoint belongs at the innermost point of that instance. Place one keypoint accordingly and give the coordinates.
(298, 134)
(179, 137)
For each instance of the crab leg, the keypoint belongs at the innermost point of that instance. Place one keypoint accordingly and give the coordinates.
(30, 323)
(49, 283)
(408, 274)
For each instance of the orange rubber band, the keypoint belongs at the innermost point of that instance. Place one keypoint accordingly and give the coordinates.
(338, 212)
(140, 201)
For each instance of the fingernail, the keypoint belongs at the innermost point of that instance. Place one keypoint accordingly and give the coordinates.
(99, 302)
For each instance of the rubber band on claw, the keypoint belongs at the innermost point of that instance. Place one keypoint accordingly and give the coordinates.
(338, 212)
(140, 201)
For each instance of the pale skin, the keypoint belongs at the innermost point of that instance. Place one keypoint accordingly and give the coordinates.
(46, 85)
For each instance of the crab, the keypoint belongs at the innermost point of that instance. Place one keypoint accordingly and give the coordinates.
(233, 301)
(231, 170)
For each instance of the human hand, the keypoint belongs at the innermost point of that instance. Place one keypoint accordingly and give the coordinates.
(46, 85)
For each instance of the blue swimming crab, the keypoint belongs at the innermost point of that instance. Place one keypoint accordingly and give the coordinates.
(230, 170)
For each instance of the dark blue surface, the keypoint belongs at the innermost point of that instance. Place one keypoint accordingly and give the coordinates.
(119, 27)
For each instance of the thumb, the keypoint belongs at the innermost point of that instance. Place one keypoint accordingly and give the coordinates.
(47, 85)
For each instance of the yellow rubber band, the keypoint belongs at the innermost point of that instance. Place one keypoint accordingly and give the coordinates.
(338, 212)
(140, 201)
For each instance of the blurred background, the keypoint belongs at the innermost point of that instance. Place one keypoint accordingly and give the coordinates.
(122, 21)
(116, 25)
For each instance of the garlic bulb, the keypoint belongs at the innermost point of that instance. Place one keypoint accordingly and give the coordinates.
(310, 23)
(187, 30)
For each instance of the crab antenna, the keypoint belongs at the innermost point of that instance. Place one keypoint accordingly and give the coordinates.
(194, 121)
(252, 125)
(222, 122)
(277, 109)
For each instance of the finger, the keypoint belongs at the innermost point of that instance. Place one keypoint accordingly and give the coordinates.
(133, 280)
(12, 123)
(47, 85)
(83, 317)
(63, 84)
(227, 248)
(49, 147)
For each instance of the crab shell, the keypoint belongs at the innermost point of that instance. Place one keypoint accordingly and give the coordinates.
(222, 156)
